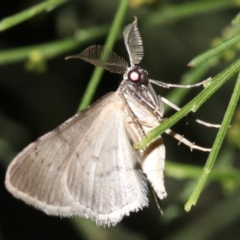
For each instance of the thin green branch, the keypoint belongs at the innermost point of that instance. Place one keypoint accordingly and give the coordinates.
(193, 105)
(216, 147)
(113, 34)
(202, 58)
(29, 13)
(176, 12)
(184, 171)
(53, 49)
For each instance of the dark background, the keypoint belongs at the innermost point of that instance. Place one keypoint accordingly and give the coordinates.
(34, 103)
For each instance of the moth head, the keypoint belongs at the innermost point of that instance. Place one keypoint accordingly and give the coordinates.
(136, 75)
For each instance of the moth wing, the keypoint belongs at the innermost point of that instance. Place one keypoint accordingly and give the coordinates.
(34, 175)
(104, 181)
(61, 172)
(152, 164)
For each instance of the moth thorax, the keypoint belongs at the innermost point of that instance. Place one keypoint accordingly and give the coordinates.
(137, 75)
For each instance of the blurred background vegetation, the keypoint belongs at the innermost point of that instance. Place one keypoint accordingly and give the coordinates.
(39, 90)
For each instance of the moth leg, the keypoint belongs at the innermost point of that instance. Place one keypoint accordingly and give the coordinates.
(172, 105)
(181, 139)
(169, 85)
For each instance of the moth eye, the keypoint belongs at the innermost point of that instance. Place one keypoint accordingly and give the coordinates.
(134, 76)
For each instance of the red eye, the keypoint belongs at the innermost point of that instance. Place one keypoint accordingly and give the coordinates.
(134, 76)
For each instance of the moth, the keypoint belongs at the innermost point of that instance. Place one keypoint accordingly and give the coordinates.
(88, 166)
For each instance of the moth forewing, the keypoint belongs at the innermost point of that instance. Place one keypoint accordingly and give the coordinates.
(109, 158)
(35, 174)
(71, 170)
(153, 165)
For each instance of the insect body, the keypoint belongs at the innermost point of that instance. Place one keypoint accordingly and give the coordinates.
(88, 166)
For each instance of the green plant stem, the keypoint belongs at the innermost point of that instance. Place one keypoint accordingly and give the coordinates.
(193, 105)
(176, 12)
(185, 171)
(202, 58)
(11, 21)
(216, 147)
(55, 48)
(113, 34)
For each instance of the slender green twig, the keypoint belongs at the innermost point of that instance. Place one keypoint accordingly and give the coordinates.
(176, 12)
(202, 58)
(216, 147)
(28, 13)
(53, 49)
(185, 171)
